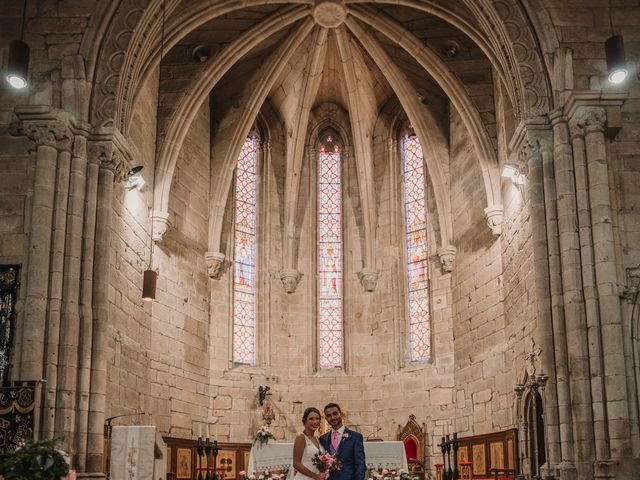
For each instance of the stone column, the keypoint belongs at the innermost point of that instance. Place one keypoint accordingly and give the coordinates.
(590, 294)
(109, 168)
(557, 314)
(544, 328)
(616, 403)
(574, 310)
(86, 308)
(55, 270)
(70, 325)
(37, 289)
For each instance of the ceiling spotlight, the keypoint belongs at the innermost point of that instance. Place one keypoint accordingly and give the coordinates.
(201, 53)
(616, 63)
(450, 50)
(135, 178)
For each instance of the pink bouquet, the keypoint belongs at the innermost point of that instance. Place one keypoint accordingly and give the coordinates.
(325, 462)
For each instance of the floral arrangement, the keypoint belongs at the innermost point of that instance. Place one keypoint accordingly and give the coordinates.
(34, 461)
(263, 436)
(386, 474)
(266, 475)
(325, 462)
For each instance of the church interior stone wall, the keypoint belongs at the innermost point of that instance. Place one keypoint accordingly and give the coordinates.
(544, 270)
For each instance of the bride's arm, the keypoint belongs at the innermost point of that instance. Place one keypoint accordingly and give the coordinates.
(298, 450)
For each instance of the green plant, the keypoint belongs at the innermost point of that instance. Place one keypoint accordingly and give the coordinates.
(34, 461)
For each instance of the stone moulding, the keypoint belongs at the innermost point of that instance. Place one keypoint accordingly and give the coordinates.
(447, 255)
(493, 216)
(216, 264)
(369, 278)
(290, 278)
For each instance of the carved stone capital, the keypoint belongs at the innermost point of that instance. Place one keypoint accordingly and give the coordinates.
(493, 216)
(369, 278)
(576, 128)
(216, 264)
(65, 140)
(42, 134)
(594, 119)
(290, 277)
(447, 255)
(112, 151)
(159, 224)
(115, 162)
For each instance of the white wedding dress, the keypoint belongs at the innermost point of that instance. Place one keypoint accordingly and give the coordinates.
(309, 452)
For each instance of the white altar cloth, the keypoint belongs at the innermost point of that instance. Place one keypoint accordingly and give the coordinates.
(279, 456)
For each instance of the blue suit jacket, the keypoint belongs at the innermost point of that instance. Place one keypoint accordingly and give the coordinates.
(350, 453)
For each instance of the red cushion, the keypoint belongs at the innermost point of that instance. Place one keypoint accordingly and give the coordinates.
(410, 448)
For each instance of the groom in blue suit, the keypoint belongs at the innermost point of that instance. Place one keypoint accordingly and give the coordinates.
(346, 445)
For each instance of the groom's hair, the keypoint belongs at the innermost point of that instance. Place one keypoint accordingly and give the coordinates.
(332, 405)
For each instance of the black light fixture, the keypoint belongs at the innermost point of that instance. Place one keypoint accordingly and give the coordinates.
(18, 64)
(149, 282)
(135, 178)
(150, 276)
(614, 52)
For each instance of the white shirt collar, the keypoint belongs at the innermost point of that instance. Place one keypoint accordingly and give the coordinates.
(340, 430)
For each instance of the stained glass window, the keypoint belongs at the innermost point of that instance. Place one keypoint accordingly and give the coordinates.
(244, 259)
(416, 238)
(330, 337)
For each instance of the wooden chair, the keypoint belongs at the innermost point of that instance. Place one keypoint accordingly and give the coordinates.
(412, 436)
(439, 471)
(466, 469)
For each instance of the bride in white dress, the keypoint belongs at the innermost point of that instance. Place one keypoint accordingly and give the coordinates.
(306, 446)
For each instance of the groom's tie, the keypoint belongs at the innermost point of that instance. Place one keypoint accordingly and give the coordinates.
(335, 440)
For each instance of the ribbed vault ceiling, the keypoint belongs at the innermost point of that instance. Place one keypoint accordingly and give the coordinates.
(293, 57)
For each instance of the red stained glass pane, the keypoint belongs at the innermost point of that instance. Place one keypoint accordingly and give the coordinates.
(330, 338)
(244, 259)
(417, 251)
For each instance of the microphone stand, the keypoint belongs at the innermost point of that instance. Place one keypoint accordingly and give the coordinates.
(109, 430)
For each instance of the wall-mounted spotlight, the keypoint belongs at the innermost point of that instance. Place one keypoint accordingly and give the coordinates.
(135, 178)
(614, 52)
(18, 64)
(512, 172)
(616, 62)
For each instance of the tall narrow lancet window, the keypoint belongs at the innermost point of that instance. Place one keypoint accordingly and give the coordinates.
(330, 325)
(244, 255)
(416, 237)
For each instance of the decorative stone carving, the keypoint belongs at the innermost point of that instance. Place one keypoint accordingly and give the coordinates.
(290, 278)
(216, 265)
(329, 13)
(159, 224)
(368, 278)
(113, 160)
(576, 128)
(42, 134)
(594, 119)
(493, 216)
(447, 255)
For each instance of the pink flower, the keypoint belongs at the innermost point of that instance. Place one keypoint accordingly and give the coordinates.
(242, 473)
(385, 471)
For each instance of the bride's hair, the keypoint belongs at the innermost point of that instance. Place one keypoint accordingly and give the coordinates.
(308, 412)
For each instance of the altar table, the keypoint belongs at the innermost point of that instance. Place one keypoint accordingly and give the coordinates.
(279, 456)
